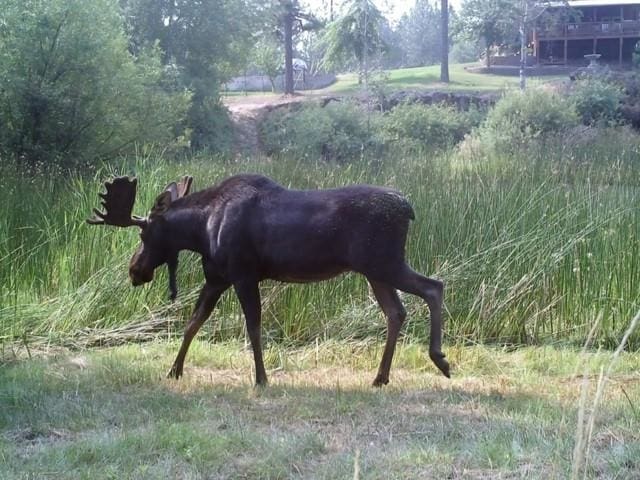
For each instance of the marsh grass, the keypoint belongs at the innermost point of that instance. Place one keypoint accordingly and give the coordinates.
(533, 247)
(110, 413)
(588, 413)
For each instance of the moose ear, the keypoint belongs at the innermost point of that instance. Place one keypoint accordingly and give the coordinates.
(162, 204)
(173, 189)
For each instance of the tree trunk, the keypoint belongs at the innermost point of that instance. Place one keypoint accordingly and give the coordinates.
(288, 53)
(488, 54)
(444, 27)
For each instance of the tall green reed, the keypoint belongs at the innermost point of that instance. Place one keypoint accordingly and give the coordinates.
(532, 249)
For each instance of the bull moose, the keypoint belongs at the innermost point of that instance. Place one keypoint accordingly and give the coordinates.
(249, 228)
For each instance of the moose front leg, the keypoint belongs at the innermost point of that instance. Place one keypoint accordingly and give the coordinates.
(249, 296)
(207, 300)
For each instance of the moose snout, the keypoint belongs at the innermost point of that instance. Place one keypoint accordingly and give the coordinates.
(139, 277)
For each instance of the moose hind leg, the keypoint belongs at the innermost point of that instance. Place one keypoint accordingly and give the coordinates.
(432, 292)
(249, 297)
(207, 300)
(389, 301)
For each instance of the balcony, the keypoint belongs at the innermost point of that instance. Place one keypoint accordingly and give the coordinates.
(626, 28)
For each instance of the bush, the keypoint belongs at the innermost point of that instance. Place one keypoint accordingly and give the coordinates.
(70, 88)
(433, 126)
(597, 100)
(211, 126)
(521, 117)
(635, 56)
(465, 51)
(339, 131)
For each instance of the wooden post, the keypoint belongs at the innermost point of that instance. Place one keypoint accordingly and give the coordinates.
(621, 34)
(620, 52)
(566, 47)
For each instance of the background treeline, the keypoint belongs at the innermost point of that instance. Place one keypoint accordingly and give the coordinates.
(87, 79)
(82, 80)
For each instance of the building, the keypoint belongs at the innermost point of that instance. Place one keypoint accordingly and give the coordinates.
(610, 28)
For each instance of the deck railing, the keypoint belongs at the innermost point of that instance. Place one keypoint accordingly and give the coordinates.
(626, 28)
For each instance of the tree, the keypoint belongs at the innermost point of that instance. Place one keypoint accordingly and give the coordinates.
(267, 57)
(206, 41)
(528, 13)
(355, 35)
(291, 21)
(444, 63)
(501, 22)
(490, 21)
(71, 90)
(420, 34)
(310, 50)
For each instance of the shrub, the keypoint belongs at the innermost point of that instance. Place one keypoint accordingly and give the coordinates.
(597, 100)
(71, 89)
(434, 126)
(339, 131)
(635, 56)
(521, 117)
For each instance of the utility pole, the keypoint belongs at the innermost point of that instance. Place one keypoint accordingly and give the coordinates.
(288, 50)
(444, 27)
(523, 46)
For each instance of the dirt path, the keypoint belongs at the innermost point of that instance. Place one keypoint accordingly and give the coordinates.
(246, 114)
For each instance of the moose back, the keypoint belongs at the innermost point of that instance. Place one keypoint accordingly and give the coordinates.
(248, 228)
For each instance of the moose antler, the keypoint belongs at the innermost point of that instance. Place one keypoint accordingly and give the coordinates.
(118, 203)
(184, 186)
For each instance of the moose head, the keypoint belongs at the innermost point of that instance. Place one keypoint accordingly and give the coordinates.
(152, 252)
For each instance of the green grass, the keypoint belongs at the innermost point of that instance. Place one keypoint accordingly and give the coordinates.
(420, 78)
(112, 414)
(531, 251)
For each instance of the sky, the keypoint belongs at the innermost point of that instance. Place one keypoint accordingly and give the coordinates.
(392, 9)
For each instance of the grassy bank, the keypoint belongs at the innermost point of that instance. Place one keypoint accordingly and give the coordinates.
(111, 414)
(417, 78)
(420, 78)
(532, 251)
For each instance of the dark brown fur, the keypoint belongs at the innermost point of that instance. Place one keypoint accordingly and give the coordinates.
(248, 228)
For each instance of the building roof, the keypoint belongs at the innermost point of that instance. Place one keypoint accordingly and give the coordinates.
(600, 3)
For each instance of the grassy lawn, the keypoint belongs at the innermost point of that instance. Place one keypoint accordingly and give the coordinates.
(419, 78)
(112, 414)
(429, 78)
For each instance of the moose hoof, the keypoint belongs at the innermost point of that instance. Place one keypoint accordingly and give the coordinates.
(175, 372)
(440, 362)
(380, 381)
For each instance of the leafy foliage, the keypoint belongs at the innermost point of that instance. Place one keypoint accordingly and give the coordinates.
(355, 35)
(490, 21)
(71, 89)
(346, 131)
(205, 42)
(419, 32)
(338, 131)
(267, 58)
(520, 117)
(597, 100)
(429, 126)
(635, 55)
